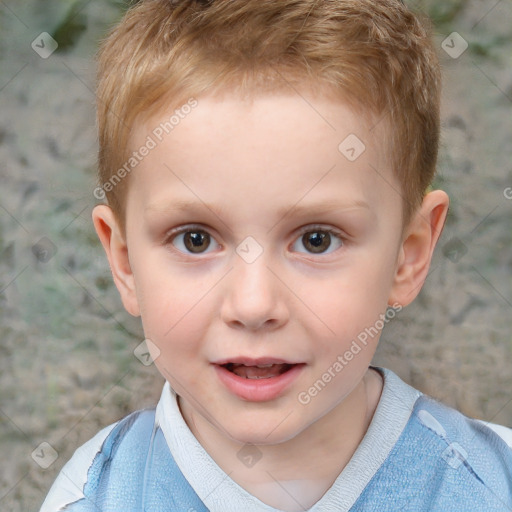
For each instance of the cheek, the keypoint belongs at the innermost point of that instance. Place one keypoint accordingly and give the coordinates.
(347, 308)
(351, 296)
(178, 333)
(172, 309)
(165, 292)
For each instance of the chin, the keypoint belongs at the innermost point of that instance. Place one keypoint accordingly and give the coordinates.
(263, 433)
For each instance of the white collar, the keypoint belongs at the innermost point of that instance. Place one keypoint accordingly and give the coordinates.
(222, 494)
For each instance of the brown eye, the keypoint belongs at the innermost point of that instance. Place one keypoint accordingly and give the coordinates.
(190, 240)
(316, 241)
(196, 241)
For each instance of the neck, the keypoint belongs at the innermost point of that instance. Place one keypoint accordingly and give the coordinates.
(296, 473)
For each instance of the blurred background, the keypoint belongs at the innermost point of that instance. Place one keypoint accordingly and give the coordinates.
(67, 362)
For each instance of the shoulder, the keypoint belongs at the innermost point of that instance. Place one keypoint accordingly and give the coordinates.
(89, 458)
(449, 425)
(440, 460)
(458, 455)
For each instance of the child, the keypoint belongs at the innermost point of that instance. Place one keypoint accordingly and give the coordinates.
(266, 166)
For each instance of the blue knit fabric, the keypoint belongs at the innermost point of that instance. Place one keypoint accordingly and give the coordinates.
(442, 462)
(135, 471)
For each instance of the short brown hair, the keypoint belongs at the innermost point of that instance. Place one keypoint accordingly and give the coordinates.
(378, 54)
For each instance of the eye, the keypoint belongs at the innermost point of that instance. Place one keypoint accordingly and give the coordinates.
(191, 240)
(318, 240)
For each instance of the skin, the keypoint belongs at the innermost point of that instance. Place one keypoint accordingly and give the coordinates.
(253, 160)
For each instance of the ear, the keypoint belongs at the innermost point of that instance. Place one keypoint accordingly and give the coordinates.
(115, 246)
(419, 241)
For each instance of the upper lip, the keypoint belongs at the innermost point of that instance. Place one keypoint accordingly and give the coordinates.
(250, 361)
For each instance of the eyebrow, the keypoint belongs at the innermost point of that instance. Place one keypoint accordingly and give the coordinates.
(220, 210)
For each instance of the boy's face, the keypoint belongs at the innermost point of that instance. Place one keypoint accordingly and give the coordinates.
(290, 252)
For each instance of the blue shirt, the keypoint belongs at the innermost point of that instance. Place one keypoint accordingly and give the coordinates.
(418, 455)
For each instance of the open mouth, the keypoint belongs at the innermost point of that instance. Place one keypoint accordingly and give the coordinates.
(263, 371)
(257, 379)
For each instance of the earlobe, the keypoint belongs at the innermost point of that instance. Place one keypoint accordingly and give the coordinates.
(115, 246)
(417, 248)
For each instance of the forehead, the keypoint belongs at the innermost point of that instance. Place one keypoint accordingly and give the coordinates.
(270, 149)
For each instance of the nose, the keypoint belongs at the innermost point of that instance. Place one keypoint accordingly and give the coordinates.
(254, 298)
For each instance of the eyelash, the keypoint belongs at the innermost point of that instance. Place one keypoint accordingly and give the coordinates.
(307, 229)
(316, 227)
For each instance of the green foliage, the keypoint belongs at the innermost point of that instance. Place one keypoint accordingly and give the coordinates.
(70, 21)
(69, 30)
(487, 46)
(441, 11)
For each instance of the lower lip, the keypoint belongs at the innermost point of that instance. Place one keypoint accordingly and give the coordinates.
(258, 390)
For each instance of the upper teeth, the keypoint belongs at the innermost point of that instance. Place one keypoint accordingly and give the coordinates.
(258, 365)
